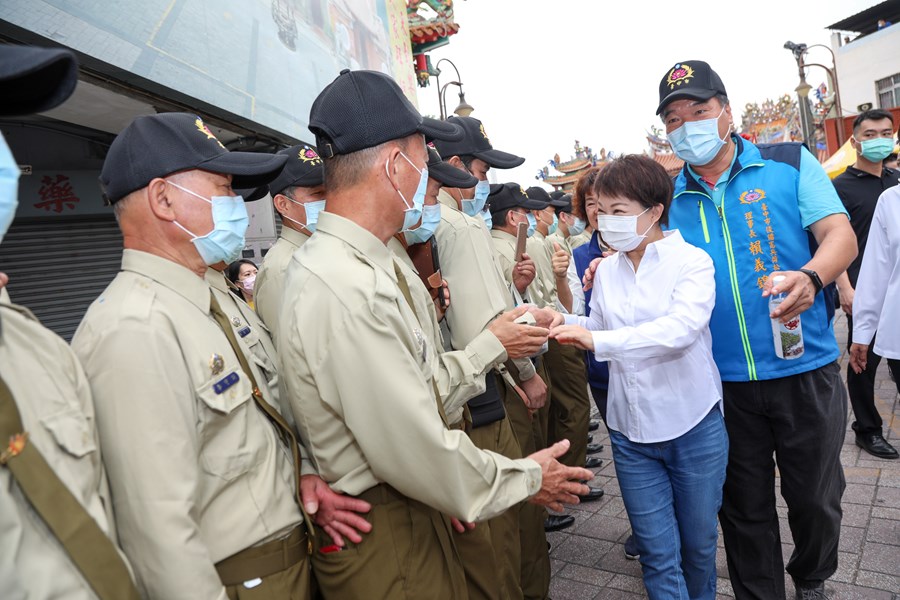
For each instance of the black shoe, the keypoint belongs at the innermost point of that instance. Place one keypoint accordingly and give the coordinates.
(558, 522)
(631, 549)
(876, 445)
(593, 462)
(594, 448)
(594, 425)
(594, 493)
(812, 593)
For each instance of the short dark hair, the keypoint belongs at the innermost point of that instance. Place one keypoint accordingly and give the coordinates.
(639, 178)
(876, 114)
(467, 160)
(584, 185)
(498, 219)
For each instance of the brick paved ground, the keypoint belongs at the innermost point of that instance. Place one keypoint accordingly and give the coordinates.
(588, 562)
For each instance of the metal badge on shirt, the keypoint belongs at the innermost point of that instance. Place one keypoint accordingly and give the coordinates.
(421, 344)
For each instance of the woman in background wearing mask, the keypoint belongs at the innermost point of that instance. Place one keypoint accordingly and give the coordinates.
(649, 318)
(242, 273)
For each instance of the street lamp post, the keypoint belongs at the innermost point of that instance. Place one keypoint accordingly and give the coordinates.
(805, 113)
(799, 51)
(463, 109)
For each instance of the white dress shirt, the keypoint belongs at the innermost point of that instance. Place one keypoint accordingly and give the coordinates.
(876, 305)
(653, 327)
(577, 289)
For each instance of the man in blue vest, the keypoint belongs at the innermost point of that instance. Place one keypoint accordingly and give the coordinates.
(760, 211)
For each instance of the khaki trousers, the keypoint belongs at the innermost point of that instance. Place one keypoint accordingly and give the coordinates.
(408, 555)
(291, 582)
(535, 564)
(570, 406)
(503, 533)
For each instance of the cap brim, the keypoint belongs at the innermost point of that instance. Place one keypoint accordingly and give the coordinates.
(451, 176)
(433, 129)
(248, 169)
(252, 194)
(679, 94)
(499, 159)
(34, 80)
(533, 204)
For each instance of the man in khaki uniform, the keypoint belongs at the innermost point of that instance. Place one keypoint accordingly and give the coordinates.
(52, 479)
(459, 377)
(469, 264)
(171, 379)
(298, 194)
(360, 381)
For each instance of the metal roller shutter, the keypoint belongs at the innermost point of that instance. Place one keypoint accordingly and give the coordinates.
(57, 268)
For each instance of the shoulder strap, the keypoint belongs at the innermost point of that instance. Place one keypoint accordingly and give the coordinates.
(89, 548)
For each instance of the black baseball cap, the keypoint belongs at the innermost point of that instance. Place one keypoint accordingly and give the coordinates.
(562, 204)
(34, 80)
(538, 193)
(446, 173)
(511, 195)
(555, 194)
(689, 79)
(304, 168)
(475, 142)
(252, 194)
(159, 145)
(362, 109)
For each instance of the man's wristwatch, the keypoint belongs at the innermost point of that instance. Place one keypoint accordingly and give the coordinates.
(817, 281)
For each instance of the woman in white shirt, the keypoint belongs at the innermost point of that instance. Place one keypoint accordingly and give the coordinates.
(876, 305)
(650, 311)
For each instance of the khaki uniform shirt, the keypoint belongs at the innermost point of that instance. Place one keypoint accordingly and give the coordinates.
(505, 246)
(257, 339)
(538, 249)
(360, 384)
(197, 471)
(459, 374)
(557, 238)
(478, 289)
(269, 287)
(54, 402)
(579, 240)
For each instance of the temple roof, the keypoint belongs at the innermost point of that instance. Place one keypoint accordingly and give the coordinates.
(574, 165)
(670, 162)
(429, 32)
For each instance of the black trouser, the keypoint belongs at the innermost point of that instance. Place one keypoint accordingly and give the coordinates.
(861, 388)
(801, 420)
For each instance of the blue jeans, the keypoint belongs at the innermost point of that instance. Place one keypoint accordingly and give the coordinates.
(672, 492)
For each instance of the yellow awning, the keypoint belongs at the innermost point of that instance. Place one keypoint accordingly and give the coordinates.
(840, 160)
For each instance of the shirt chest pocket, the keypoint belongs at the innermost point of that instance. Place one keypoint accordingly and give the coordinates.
(71, 431)
(226, 414)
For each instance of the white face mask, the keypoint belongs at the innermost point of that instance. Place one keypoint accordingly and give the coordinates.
(620, 231)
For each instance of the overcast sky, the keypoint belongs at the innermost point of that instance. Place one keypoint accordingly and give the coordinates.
(542, 74)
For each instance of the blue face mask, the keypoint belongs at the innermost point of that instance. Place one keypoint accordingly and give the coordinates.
(431, 218)
(697, 142)
(312, 210)
(230, 221)
(9, 187)
(878, 149)
(487, 218)
(532, 224)
(413, 211)
(476, 205)
(554, 226)
(578, 227)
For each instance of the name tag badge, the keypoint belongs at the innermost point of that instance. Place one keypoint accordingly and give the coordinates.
(244, 332)
(252, 583)
(225, 383)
